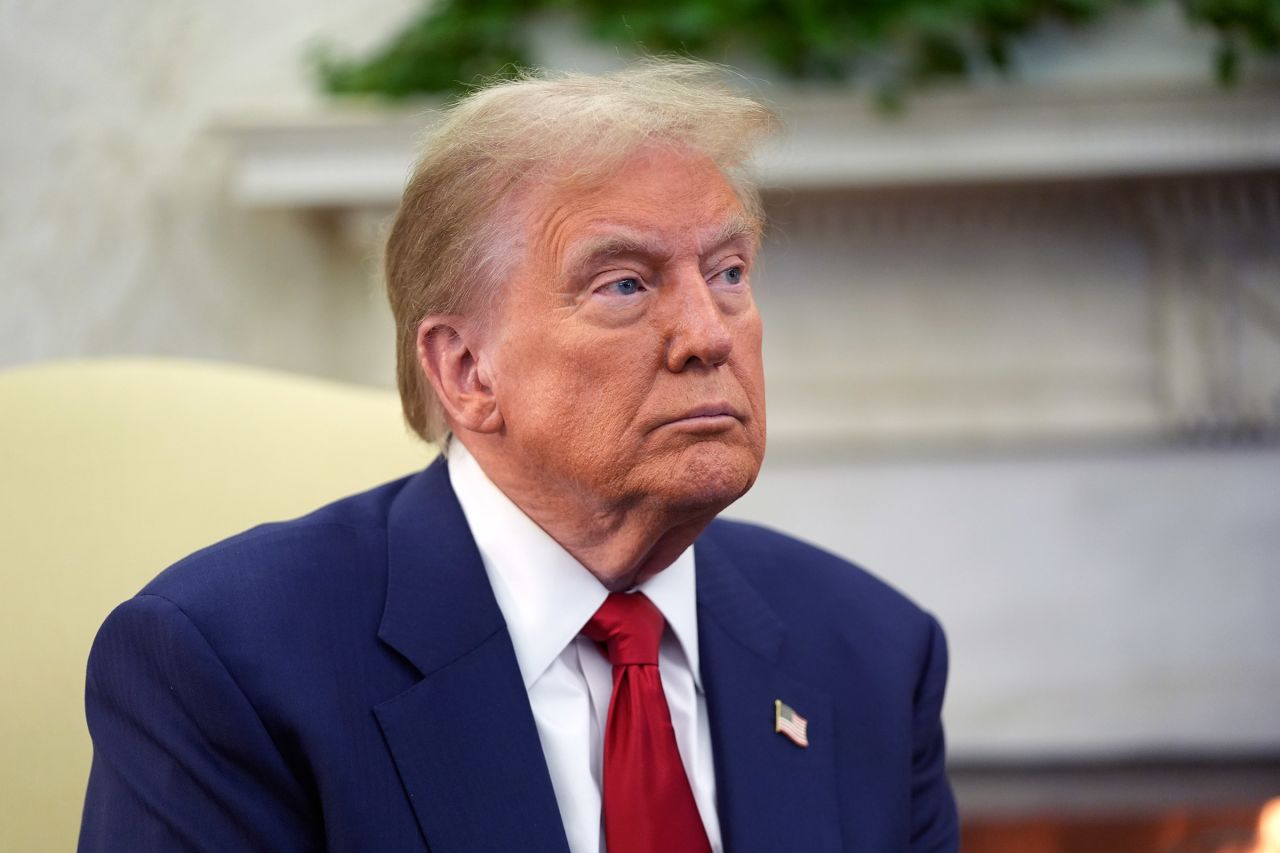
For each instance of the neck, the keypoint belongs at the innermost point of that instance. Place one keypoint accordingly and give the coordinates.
(622, 543)
(630, 554)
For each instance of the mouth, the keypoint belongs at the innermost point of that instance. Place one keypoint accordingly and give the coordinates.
(709, 417)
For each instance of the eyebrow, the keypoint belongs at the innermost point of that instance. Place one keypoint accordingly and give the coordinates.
(592, 251)
(735, 228)
(626, 242)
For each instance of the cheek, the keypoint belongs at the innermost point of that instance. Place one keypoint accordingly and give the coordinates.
(749, 357)
(613, 383)
(559, 386)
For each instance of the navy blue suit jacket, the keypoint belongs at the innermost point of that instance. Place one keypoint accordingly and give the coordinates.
(345, 681)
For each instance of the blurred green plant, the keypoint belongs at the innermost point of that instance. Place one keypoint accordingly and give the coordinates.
(890, 46)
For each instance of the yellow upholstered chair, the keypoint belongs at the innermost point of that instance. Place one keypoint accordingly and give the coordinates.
(110, 471)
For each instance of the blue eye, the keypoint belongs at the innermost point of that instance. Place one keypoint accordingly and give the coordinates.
(624, 286)
(733, 275)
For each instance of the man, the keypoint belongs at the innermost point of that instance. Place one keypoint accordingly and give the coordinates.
(544, 642)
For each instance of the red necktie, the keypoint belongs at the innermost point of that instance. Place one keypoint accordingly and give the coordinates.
(648, 804)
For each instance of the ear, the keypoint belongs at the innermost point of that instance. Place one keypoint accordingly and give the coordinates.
(449, 357)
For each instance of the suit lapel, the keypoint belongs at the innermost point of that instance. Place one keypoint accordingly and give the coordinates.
(772, 795)
(463, 739)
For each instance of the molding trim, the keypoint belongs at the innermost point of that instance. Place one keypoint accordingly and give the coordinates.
(357, 154)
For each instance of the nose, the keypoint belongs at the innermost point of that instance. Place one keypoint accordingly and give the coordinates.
(697, 331)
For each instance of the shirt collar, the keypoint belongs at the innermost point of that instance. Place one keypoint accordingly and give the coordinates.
(674, 591)
(546, 595)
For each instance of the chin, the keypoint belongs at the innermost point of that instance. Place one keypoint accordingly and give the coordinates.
(709, 476)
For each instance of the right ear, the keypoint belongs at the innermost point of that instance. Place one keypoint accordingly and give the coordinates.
(449, 356)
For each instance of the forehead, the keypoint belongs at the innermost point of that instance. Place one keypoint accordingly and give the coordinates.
(655, 201)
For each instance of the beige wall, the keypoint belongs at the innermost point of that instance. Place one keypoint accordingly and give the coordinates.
(116, 235)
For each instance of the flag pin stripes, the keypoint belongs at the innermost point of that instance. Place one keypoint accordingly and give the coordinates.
(786, 721)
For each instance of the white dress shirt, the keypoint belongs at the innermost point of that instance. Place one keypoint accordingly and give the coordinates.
(546, 597)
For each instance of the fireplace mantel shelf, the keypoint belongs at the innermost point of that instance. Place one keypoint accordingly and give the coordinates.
(356, 156)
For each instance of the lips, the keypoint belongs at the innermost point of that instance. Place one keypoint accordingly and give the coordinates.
(710, 410)
(708, 414)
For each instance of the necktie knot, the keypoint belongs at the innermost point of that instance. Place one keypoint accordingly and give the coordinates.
(629, 626)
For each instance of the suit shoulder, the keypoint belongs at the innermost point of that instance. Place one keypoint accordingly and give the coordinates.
(301, 557)
(787, 570)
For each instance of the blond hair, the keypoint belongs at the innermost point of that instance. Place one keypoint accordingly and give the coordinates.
(448, 242)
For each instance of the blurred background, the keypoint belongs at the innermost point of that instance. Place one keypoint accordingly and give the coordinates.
(1022, 302)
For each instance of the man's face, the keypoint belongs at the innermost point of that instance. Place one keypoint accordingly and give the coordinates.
(626, 350)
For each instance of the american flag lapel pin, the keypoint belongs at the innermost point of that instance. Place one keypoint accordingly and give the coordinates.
(786, 721)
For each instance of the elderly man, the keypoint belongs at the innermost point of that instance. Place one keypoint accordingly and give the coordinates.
(546, 642)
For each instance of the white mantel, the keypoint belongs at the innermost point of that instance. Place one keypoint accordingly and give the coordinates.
(356, 154)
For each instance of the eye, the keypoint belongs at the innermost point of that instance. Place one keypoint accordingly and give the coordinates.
(732, 275)
(621, 287)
